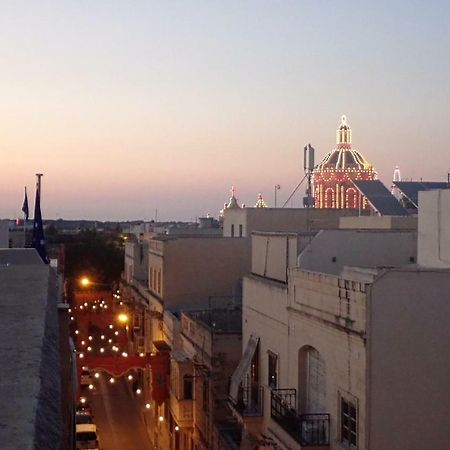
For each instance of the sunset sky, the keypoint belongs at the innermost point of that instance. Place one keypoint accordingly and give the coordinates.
(128, 107)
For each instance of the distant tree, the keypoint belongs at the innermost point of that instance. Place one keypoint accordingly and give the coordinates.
(96, 255)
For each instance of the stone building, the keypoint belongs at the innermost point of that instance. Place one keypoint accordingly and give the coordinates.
(337, 341)
(36, 389)
(167, 278)
(206, 347)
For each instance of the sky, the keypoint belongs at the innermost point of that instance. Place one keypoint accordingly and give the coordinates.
(132, 107)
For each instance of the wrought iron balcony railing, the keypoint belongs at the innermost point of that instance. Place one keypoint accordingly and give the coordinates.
(250, 401)
(310, 430)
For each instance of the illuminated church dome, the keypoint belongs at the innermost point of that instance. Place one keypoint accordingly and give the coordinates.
(260, 203)
(232, 204)
(332, 177)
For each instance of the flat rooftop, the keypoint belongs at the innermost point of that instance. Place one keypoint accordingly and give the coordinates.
(218, 320)
(30, 416)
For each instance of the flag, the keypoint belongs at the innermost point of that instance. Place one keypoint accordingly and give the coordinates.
(25, 205)
(38, 240)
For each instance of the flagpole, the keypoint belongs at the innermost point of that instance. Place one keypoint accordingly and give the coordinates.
(38, 183)
(38, 241)
(24, 224)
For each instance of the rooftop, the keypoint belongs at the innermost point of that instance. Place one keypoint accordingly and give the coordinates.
(30, 416)
(219, 320)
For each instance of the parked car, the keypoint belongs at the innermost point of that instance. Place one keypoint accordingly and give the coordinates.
(86, 378)
(87, 437)
(83, 416)
(84, 405)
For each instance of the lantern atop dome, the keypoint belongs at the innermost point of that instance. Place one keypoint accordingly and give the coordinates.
(344, 133)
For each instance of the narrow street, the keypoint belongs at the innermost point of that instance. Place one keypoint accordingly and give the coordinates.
(117, 416)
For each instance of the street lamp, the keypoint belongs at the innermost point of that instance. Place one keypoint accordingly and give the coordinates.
(123, 318)
(85, 281)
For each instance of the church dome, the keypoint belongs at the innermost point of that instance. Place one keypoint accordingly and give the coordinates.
(343, 157)
(333, 187)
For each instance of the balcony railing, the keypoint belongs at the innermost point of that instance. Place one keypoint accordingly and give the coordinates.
(310, 430)
(250, 401)
(182, 410)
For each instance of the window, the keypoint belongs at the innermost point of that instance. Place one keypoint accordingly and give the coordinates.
(254, 368)
(273, 370)
(152, 284)
(240, 230)
(205, 396)
(159, 282)
(349, 424)
(187, 387)
(232, 230)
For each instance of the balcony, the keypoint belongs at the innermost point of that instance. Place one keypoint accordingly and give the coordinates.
(249, 401)
(182, 411)
(309, 430)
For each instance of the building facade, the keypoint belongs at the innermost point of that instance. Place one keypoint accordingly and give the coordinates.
(336, 357)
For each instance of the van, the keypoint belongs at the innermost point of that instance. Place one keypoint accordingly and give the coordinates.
(86, 437)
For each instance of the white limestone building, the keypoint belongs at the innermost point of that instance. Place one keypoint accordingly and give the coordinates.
(345, 343)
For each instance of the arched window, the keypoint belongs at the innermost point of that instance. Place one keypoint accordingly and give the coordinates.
(329, 198)
(351, 198)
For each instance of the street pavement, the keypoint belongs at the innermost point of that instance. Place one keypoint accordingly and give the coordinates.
(117, 416)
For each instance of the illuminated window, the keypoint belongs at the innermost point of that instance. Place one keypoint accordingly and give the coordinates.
(272, 370)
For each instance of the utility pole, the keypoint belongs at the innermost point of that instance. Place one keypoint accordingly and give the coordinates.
(277, 188)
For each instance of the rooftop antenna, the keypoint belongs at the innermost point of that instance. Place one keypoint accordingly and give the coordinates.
(308, 167)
